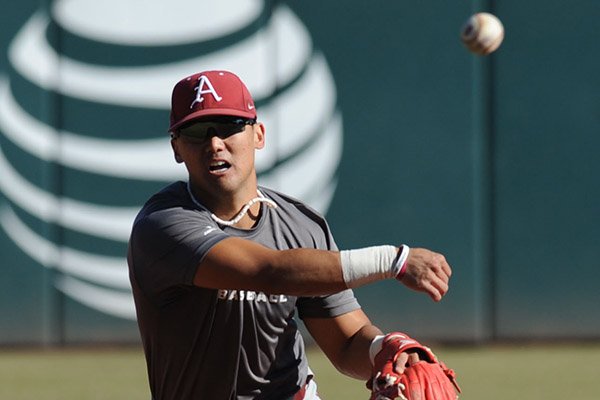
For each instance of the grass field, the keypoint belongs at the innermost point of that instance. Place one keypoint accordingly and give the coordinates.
(548, 372)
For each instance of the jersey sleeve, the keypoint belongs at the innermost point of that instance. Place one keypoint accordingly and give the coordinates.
(327, 306)
(167, 246)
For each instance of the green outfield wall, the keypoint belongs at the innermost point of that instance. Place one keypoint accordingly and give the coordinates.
(376, 115)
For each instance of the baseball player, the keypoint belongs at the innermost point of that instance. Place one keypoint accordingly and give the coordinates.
(220, 266)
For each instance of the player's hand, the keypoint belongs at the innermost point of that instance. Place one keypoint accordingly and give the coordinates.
(428, 272)
(396, 354)
(387, 384)
(405, 369)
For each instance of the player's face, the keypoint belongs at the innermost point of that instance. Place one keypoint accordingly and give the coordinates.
(219, 155)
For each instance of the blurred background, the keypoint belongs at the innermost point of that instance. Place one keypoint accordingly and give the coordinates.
(376, 115)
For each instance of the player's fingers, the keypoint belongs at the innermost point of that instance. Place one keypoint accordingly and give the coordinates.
(401, 362)
(405, 359)
(440, 267)
(440, 284)
(413, 358)
(432, 291)
(446, 268)
(434, 285)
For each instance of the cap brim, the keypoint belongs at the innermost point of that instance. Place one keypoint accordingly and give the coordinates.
(212, 112)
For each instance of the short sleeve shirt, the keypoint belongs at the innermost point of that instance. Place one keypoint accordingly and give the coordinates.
(221, 343)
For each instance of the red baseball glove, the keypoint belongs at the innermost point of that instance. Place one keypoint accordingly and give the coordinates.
(428, 379)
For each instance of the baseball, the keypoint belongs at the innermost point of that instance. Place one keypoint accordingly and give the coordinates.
(482, 33)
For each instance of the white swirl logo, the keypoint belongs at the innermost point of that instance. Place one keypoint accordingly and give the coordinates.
(112, 72)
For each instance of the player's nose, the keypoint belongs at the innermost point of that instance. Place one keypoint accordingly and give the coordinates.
(214, 140)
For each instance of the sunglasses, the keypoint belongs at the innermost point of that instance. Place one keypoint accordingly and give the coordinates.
(220, 127)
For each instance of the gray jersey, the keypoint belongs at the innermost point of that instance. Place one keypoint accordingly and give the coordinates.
(221, 344)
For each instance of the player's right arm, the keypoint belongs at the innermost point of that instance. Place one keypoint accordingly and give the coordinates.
(236, 263)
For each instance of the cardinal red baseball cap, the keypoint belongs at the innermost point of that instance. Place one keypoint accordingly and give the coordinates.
(210, 93)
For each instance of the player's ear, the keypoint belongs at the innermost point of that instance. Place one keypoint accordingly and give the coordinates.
(259, 135)
(174, 146)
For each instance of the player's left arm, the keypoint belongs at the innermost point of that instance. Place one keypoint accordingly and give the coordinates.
(345, 340)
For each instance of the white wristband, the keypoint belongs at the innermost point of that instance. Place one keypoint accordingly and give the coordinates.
(399, 267)
(375, 347)
(369, 264)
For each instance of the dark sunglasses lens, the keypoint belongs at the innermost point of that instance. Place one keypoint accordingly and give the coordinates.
(202, 130)
(230, 129)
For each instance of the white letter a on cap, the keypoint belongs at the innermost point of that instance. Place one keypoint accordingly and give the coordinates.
(200, 90)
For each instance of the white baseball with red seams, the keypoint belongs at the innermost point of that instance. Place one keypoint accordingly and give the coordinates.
(482, 33)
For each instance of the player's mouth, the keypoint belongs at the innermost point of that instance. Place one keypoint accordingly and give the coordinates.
(219, 166)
